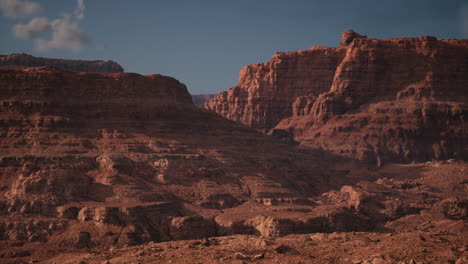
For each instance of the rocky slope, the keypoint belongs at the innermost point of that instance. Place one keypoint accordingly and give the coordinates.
(92, 163)
(19, 60)
(91, 160)
(201, 99)
(376, 100)
(339, 248)
(422, 207)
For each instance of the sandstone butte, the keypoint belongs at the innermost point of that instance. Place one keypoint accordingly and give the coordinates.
(118, 167)
(375, 100)
(21, 60)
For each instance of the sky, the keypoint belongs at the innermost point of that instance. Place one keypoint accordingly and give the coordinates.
(205, 43)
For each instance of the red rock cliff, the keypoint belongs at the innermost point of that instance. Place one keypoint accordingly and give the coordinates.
(19, 60)
(265, 91)
(398, 99)
(93, 161)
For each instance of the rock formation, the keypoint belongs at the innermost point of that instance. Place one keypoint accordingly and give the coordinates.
(265, 92)
(348, 36)
(20, 60)
(375, 100)
(97, 162)
(91, 159)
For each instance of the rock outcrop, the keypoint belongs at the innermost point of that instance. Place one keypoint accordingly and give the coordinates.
(26, 60)
(375, 100)
(348, 36)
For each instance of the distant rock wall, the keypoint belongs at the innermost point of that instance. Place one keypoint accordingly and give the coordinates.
(19, 60)
(376, 100)
(53, 89)
(265, 92)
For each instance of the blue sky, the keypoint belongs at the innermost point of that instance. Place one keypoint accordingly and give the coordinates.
(205, 43)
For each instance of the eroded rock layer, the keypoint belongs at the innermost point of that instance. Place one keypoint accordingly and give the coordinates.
(375, 100)
(22, 60)
(113, 159)
(265, 91)
(94, 162)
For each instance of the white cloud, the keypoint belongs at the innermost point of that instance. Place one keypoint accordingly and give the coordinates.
(19, 8)
(79, 11)
(65, 34)
(38, 26)
(65, 31)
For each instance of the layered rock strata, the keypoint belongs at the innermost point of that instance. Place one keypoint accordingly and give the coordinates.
(129, 159)
(375, 100)
(92, 162)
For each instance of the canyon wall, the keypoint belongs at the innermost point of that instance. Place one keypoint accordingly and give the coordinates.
(97, 162)
(19, 60)
(375, 100)
(265, 91)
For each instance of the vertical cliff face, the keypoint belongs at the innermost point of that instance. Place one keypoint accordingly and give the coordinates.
(265, 92)
(406, 97)
(21, 60)
(393, 69)
(52, 91)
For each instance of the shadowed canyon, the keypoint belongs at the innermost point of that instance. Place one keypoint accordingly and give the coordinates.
(348, 154)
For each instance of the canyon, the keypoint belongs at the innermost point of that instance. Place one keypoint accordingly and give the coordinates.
(375, 100)
(354, 154)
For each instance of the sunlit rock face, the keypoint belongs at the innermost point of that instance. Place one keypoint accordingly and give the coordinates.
(376, 100)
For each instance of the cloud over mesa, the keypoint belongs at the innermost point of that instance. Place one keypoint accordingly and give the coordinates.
(64, 35)
(36, 27)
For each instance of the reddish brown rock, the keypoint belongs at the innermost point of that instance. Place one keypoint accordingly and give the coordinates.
(265, 92)
(348, 36)
(407, 104)
(192, 227)
(22, 60)
(125, 159)
(131, 156)
(376, 100)
(271, 227)
(342, 248)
